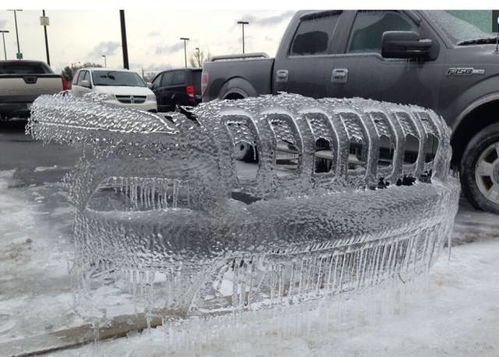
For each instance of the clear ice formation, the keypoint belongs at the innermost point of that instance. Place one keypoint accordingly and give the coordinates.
(343, 194)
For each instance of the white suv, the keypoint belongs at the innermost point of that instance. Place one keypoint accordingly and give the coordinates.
(124, 87)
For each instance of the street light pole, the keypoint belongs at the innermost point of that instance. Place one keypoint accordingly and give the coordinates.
(185, 39)
(19, 55)
(124, 45)
(46, 37)
(3, 32)
(199, 57)
(105, 60)
(242, 23)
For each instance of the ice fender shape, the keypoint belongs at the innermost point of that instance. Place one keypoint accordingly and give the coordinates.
(341, 194)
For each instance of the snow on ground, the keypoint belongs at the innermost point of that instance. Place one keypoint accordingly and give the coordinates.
(454, 311)
(35, 253)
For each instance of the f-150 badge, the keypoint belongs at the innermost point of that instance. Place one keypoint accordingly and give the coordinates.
(464, 71)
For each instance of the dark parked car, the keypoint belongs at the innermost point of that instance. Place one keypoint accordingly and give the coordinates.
(177, 87)
(436, 59)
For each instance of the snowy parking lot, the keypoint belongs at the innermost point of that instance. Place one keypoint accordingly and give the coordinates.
(279, 183)
(453, 311)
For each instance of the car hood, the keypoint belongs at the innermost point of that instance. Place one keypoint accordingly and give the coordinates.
(123, 90)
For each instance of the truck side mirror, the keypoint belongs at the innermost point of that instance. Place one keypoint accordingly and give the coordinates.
(85, 84)
(406, 44)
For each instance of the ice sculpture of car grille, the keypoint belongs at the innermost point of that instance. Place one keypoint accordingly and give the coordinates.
(343, 194)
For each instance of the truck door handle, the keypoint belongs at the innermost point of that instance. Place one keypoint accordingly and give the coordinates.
(282, 75)
(339, 75)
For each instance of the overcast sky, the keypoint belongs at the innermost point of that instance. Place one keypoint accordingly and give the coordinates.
(153, 35)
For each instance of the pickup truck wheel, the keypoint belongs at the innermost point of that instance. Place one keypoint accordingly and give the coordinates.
(480, 169)
(244, 152)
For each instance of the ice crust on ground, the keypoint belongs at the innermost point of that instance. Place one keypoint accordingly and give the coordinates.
(456, 314)
(451, 312)
(346, 194)
(35, 290)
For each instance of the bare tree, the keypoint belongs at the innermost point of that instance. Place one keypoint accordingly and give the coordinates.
(149, 76)
(199, 57)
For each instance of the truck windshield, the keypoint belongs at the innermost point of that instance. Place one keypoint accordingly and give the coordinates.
(117, 78)
(464, 27)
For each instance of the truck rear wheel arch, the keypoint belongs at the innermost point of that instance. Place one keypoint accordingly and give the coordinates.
(470, 124)
(237, 88)
(234, 95)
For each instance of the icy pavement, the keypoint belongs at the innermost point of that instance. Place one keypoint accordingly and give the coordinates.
(455, 313)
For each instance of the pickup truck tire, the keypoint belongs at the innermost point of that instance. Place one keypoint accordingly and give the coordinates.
(480, 169)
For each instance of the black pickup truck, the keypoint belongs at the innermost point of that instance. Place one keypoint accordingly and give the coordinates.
(435, 59)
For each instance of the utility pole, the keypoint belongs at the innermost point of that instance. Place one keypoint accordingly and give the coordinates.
(3, 32)
(124, 45)
(242, 23)
(185, 39)
(19, 55)
(44, 21)
(105, 60)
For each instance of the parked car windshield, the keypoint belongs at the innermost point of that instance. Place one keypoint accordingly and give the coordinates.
(117, 78)
(464, 27)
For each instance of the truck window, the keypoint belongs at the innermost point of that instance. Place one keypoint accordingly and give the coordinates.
(21, 67)
(369, 26)
(312, 35)
(462, 25)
